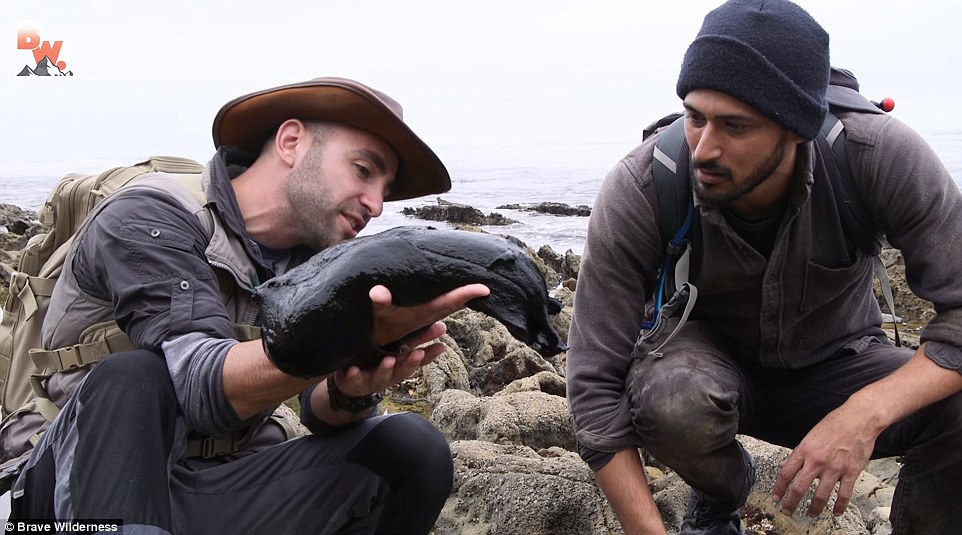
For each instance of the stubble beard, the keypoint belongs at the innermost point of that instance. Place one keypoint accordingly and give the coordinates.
(713, 197)
(313, 212)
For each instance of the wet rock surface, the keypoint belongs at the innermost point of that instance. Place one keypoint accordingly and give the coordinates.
(553, 208)
(458, 214)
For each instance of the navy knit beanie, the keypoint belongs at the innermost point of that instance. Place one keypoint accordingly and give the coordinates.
(769, 54)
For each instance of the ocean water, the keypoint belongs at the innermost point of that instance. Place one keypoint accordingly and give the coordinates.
(483, 176)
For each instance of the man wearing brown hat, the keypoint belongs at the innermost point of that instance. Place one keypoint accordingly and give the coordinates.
(177, 436)
(782, 339)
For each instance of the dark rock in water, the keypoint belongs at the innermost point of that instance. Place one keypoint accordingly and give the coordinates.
(457, 213)
(18, 227)
(555, 208)
(18, 221)
(317, 317)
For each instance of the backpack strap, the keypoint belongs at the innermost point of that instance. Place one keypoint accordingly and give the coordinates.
(676, 206)
(856, 224)
(65, 358)
(107, 337)
(676, 213)
(674, 192)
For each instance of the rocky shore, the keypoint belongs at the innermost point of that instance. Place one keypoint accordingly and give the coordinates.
(503, 409)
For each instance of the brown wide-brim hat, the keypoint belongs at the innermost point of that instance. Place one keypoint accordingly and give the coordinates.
(248, 121)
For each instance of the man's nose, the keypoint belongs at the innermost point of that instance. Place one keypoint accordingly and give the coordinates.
(373, 200)
(707, 145)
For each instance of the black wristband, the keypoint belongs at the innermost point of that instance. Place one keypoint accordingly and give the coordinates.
(339, 401)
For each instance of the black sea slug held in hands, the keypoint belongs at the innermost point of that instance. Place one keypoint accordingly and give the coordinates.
(317, 317)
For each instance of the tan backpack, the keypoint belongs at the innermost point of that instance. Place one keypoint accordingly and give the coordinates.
(25, 365)
(39, 266)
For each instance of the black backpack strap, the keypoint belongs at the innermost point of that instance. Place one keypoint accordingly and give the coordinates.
(856, 223)
(670, 174)
(675, 217)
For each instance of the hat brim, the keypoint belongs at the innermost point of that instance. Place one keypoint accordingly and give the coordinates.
(248, 121)
(844, 97)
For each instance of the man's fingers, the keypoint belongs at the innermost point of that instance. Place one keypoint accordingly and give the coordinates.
(406, 365)
(793, 495)
(789, 492)
(820, 498)
(393, 322)
(469, 292)
(823, 492)
(434, 331)
(786, 473)
(792, 484)
(380, 295)
(450, 301)
(846, 490)
(432, 352)
(456, 299)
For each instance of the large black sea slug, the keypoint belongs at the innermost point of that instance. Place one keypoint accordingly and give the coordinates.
(317, 317)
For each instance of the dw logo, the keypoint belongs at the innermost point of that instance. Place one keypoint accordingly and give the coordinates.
(46, 55)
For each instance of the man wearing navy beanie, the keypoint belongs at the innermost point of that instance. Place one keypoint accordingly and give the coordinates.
(778, 332)
(770, 55)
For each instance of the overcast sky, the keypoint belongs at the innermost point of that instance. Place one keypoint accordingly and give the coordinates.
(149, 77)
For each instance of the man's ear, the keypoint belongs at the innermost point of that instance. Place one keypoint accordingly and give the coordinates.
(290, 135)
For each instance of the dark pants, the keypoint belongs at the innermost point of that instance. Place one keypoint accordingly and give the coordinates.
(688, 406)
(108, 455)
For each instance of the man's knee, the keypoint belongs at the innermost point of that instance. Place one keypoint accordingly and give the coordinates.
(684, 410)
(406, 449)
(414, 439)
(130, 382)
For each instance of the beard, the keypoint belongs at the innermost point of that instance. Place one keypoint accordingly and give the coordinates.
(313, 210)
(712, 196)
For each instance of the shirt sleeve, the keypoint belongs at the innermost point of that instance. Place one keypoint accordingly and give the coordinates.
(196, 365)
(619, 265)
(915, 201)
(145, 254)
(596, 459)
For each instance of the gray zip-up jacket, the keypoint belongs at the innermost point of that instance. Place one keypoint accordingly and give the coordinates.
(810, 297)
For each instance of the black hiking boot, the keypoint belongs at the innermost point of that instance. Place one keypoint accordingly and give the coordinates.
(706, 518)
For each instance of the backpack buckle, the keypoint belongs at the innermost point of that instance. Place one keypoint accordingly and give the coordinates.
(209, 447)
(70, 358)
